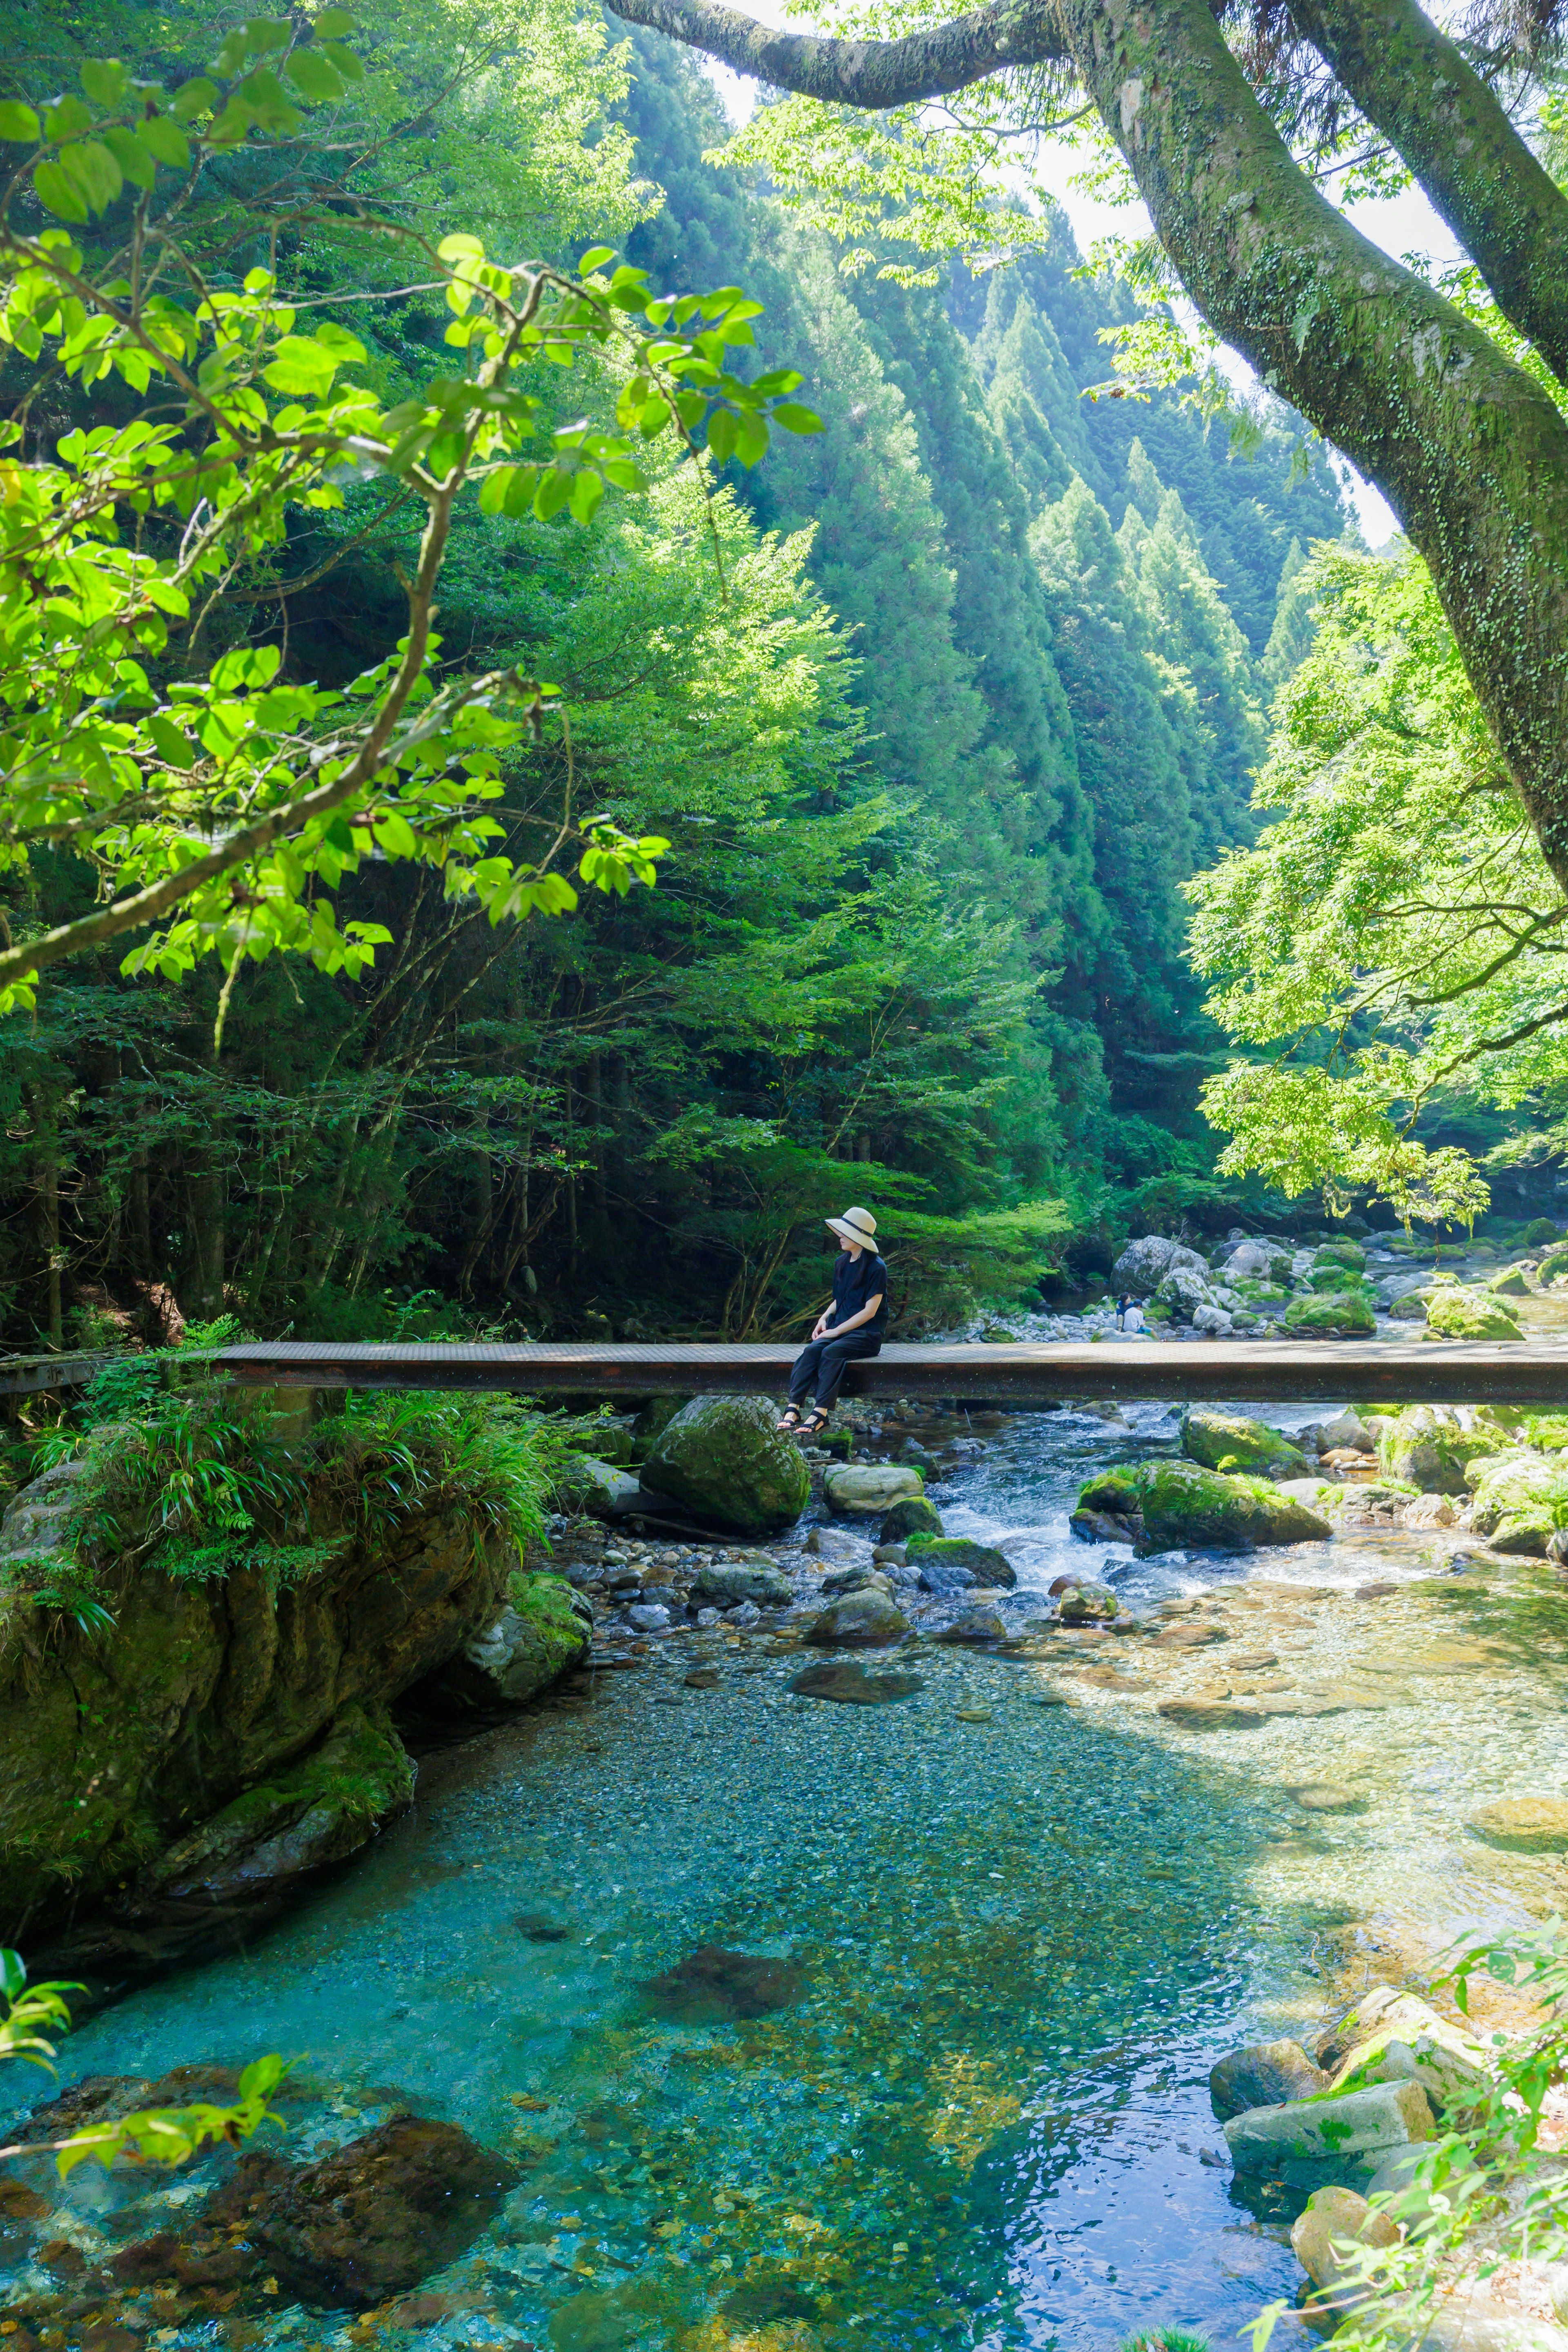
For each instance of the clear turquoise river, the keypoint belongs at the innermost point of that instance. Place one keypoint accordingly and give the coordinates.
(1021, 1931)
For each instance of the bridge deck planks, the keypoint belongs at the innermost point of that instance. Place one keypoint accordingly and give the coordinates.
(1257, 1370)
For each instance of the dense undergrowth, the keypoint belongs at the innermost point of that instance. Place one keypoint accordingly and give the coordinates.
(188, 1477)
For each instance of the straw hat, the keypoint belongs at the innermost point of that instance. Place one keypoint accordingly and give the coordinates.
(856, 1226)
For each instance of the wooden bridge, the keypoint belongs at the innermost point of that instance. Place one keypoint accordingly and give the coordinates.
(1010, 1376)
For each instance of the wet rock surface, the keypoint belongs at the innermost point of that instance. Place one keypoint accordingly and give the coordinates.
(712, 1983)
(1265, 2074)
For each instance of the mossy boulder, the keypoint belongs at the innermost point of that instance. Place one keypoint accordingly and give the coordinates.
(1510, 1281)
(1225, 1440)
(542, 1630)
(724, 1460)
(224, 1728)
(1332, 1276)
(1424, 1446)
(652, 1420)
(1461, 1314)
(600, 1490)
(1520, 1502)
(1554, 1264)
(1330, 1315)
(319, 1809)
(1181, 1506)
(1343, 1251)
(913, 1516)
(983, 1561)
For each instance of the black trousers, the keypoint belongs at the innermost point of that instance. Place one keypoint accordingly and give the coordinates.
(821, 1362)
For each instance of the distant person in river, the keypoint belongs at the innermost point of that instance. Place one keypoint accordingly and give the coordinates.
(851, 1326)
(1122, 1304)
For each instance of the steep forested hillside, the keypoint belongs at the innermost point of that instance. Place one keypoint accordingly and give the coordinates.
(978, 685)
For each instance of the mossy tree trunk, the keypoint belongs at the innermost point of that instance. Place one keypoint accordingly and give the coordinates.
(1468, 450)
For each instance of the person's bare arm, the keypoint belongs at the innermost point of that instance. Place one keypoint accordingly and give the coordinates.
(872, 1306)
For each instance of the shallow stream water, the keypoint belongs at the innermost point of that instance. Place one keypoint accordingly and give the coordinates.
(1021, 1930)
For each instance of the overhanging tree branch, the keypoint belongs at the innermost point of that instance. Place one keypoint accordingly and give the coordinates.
(873, 74)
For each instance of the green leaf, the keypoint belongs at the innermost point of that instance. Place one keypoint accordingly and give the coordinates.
(595, 258)
(18, 123)
(165, 141)
(332, 24)
(131, 156)
(753, 442)
(91, 168)
(104, 79)
(587, 489)
(723, 433)
(301, 365)
(66, 118)
(198, 96)
(246, 665)
(552, 494)
(346, 62)
(395, 836)
(794, 418)
(171, 742)
(268, 100)
(57, 194)
(312, 73)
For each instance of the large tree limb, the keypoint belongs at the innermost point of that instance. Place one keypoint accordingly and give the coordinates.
(1468, 450)
(873, 74)
(1450, 127)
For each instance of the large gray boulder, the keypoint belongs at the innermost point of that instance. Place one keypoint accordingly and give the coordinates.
(723, 1459)
(1265, 2074)
(868, 1490)
(1143, 1264)
(1313, 2141)
(1187, 1290)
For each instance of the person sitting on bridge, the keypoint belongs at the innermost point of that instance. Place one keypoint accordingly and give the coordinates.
(851, 1326)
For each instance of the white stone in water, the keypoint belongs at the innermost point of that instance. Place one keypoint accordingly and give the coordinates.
(649, 1618)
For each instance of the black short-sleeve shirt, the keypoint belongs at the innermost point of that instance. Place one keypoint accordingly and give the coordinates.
(854, 1280)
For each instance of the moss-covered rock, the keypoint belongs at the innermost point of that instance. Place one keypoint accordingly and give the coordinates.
(1331, 1276)
(1520, 1502)
(1181, 1506)
(1461, 1314)
(1422, 1447)
(319, 1809)
(723, 1458)
(543, 1629)
(1330, 1315)
(913, 1516)
(1343, 1251)
(1554, 1264)
(983, 1561)
(1510, 1281)
(221, 1719)
(599, 1489)
(1226, 1441)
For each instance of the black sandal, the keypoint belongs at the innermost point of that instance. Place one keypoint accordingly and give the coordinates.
(791, 1419)
(814, 1423)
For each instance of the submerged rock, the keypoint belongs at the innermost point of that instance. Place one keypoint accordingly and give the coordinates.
(864, 1490)
(1524, 1825)
(712, 1983)
(865, 1619)
(1213, 1714)
(984, 1562)
(1224, 1441)
(1312, 2141)
(1089, 1604)
(369, 2221)
(1265, 2074)
(851, 1685)
(724, 1460)
(1176, 1506)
